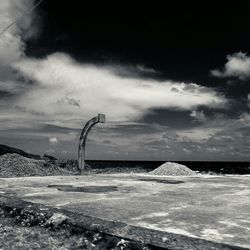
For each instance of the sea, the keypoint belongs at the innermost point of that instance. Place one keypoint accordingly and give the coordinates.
(217, 167)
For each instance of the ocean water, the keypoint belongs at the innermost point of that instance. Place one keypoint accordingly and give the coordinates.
(217, 167)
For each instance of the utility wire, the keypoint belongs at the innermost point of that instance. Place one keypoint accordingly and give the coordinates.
(30, 11)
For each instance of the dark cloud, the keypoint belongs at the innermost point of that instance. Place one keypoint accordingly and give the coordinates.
(106, 142)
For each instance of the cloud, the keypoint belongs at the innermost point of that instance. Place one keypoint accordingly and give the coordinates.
(238, 65)
(60, 91)
(219, 131)
(59, 94)
(198, 134)
(220, 137)
(67, 89)
(53, 140)
(11, 87)
(70, 101)
(160, 145)
(133, 71)
(12, 41)
(198, 115)
(245, 118)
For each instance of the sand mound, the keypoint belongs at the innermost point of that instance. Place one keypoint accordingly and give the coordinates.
(15, 165)
(172, 168)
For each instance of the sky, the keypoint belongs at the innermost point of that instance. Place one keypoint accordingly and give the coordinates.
(172, 79)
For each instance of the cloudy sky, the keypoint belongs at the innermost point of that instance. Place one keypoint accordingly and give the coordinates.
(173, 80)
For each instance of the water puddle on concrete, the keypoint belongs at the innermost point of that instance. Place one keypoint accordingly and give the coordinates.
(161, 180)
(86, 189)
(60, 186)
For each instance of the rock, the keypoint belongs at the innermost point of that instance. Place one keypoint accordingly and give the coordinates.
(172, 169)
(56, 220)
(122, 244)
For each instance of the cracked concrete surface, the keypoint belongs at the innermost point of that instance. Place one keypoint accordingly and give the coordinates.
(212, 208)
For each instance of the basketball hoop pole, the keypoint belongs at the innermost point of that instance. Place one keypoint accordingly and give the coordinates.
(83, 137)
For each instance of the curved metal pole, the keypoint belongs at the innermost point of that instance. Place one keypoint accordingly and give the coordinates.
(83, 137)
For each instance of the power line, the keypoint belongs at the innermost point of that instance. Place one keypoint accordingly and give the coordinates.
(30, 11)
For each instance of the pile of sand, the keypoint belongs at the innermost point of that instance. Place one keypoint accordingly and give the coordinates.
(15, 165)
(172, 168)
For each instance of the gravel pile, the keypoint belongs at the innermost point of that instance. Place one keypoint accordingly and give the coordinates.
(172, 168)
(15, 165)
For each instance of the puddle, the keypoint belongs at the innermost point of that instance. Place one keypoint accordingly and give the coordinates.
(86, 189)
(59, 186)
(161, 180)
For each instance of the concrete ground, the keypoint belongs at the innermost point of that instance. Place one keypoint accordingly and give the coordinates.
(213, 210)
